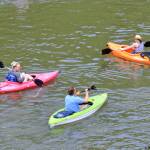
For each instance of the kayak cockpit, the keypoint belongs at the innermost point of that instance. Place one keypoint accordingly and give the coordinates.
(63, 113)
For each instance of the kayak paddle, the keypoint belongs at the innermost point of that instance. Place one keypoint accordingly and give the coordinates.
(93, 87)
(106, 51)
(38, 82)
(147, 44)
(1, 64)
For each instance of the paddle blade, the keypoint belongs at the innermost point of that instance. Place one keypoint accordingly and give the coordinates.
(106, 51)
(1, 64)
(86, 103)
(93, 87)
(147, 44)
(38, 82)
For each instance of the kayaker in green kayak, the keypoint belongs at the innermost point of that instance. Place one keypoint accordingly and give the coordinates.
(15, 74)
(137, 45)
(73, 102)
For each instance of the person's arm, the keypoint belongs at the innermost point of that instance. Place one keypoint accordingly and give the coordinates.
(86, 95)
(27, 77)
(133, 46)
(80, 100)
(20, 78)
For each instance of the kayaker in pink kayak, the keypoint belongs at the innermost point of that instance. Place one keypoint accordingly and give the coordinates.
(15, 74)
(137, 45)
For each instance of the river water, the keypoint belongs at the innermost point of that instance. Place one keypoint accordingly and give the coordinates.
(67, 35)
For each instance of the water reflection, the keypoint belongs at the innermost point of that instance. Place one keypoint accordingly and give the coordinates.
(11, 96)
(21, 4)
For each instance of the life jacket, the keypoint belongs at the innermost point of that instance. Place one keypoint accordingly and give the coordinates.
(139, 48)
(11, 77)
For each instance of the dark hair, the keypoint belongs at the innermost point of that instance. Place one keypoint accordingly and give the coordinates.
(71, 90)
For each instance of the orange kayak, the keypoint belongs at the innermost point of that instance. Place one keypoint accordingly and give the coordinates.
(126, 55)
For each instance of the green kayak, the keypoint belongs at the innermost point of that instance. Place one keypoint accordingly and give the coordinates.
(96, 101)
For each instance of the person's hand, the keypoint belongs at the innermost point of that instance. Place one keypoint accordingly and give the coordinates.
(22, 75)
(78, 93)
(86, 90)
(30, 77)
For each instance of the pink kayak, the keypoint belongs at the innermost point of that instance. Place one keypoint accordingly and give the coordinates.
(8, 86)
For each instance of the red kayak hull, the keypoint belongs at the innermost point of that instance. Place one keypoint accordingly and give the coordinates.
(8, 86)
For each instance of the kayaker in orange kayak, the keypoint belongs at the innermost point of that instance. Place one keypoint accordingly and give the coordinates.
(137, 45)
(15, 74)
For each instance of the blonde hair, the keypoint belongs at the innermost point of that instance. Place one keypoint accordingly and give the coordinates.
(138, 37)
(14, 64)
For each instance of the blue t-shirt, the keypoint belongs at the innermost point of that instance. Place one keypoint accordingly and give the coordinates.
(72, 103)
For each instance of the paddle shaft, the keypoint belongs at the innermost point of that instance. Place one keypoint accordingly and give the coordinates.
(93, 87)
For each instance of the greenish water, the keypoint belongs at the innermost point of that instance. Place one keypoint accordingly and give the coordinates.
(67, 35)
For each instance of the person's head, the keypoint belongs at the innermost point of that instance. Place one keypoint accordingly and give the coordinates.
(138, 37)
(71, 91)
(15, 66)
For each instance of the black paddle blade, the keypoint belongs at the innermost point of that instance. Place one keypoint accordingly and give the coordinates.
(106, 51)
(147, 44)
(86, 103)
(38, 82)
(93, 87)
(1, 64)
